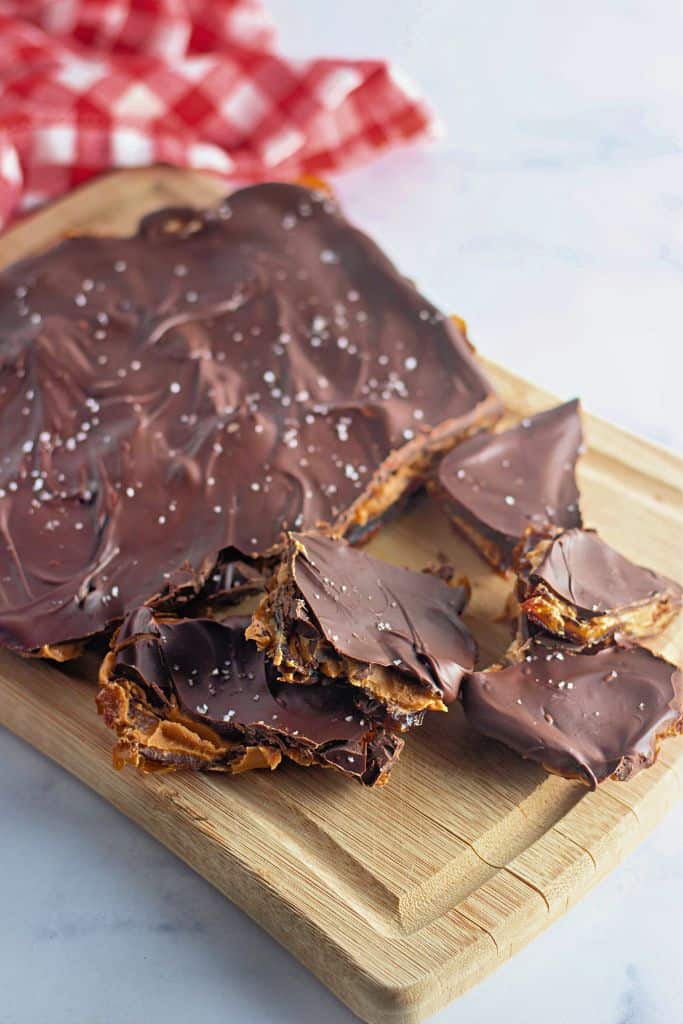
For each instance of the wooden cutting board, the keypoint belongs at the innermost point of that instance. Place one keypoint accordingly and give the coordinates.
(398, 899)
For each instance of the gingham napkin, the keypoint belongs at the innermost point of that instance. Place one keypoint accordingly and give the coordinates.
(88, 85)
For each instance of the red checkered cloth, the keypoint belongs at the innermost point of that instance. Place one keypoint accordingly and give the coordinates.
(89, 85)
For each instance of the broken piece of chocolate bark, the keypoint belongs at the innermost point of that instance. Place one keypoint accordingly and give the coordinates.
(195, 693)
(499, 488)
(577, 586)
(395, 634)
(212, 380)
(588, 715)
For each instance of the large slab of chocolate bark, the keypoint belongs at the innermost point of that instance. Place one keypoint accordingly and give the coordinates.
(209, 382)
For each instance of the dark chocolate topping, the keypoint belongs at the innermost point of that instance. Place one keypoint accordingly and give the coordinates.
(381, 614)
(218, 677)
(207, 382)
(521, 478)
(587, 573)
(579, 714)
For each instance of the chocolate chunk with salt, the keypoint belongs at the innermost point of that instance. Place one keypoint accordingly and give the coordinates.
(213, 380)
(588, 715)
(498, 488)
(196, 694)
(393, 633)
(577, 586)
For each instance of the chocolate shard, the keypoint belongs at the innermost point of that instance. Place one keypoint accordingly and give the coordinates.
(393, 633)
(500, 488)
(577, 586)
(209, 382)
(196, 694)
(233, 578)
(588, 715)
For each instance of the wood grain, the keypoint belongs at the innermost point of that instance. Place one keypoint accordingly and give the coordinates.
(402, 898)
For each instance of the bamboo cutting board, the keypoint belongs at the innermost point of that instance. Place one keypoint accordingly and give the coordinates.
(398, 899)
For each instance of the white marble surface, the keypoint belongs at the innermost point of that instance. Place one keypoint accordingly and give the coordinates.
(551, 217)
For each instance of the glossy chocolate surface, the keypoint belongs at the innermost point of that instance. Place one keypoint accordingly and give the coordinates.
(214, 379)
(381, 614)
(213, 674)
(588, 574)
(585, 715)
(503, 484)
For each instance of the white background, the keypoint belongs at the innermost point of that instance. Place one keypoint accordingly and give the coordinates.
(551, 218)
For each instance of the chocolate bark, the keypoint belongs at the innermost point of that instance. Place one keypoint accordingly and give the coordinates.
(579, 587)
(195, 693)
(590, 715)
(394, 633)
(214, 379)
(498, 488)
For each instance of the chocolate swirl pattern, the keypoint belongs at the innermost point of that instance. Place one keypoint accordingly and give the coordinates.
(209, 382)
